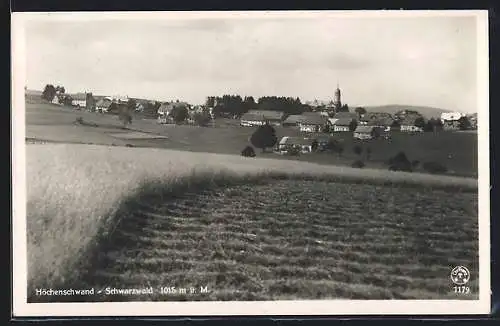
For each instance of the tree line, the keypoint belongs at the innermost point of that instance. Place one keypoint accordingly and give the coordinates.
(236, 106)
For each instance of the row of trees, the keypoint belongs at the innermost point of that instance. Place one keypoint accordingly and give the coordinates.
(235, 105)
(50, 91)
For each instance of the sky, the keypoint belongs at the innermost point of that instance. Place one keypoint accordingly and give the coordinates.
(430, 61)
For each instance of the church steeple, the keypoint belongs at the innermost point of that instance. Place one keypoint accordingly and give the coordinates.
(337, 102)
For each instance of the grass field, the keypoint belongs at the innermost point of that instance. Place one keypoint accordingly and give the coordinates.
(455, 150)
(246, 229)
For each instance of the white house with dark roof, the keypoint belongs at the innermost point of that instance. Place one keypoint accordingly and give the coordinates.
(312, 122)
(260, 117)
(407, 124)
(342, 124)
(304, 145)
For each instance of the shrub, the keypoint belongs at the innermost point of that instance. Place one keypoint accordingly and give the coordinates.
(434, 167)
(293, 151)
(248, 152)
(263, 137)
(358, 164)
(400, 163)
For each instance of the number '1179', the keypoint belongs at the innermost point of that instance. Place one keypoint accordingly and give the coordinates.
(461, 289)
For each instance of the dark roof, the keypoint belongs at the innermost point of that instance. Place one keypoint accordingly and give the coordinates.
(104, 103)
(294, 118)
(313, 119)
(376, 116)
(343, 122)
(253, 117)
(268, 114)
(79, 96)
(364, 129)
(408, 121)
(296, 141)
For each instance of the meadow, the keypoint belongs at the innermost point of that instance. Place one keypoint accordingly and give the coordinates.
(187, 211)
(116, 216)
(455, 150)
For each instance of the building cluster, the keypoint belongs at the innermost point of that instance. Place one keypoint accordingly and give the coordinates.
(326, 117)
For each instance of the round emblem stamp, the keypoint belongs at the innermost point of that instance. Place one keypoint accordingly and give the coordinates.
(460, 275)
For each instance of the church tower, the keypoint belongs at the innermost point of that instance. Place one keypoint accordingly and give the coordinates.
(337, 102)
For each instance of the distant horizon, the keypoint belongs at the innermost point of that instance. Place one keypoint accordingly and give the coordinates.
(351, 106)
(376, 60)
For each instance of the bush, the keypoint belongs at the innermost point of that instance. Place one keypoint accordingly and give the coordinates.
(358, 164)
(434, 167)
(400, 163)
(293, 151)
(248, 152)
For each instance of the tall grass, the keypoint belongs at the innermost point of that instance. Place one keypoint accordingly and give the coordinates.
(78, 194)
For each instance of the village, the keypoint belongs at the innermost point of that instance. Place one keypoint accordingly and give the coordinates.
(317, 122)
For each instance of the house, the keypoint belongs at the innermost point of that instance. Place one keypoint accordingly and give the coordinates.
(377, 119)
(451, 120)
(304, 145)
(56, 100)
(79, 100)
(312, 122)
(103, 105)
(370, 132)
(292, 120)
(407, 124)
(260, 117)
(342, 124)
(83, 100)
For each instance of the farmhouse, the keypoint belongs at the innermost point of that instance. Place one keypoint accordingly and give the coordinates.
(303, 145)
(451, 120)
(79, 100)
(260, 117)
(103, 104)
(342, 124)
(292, 120)
(312, 122)
(377, 119)
(369, 132)
(408, 124)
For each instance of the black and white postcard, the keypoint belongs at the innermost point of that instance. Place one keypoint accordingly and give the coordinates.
(250, 163)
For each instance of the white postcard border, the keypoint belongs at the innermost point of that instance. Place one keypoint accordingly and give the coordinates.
(310, 307)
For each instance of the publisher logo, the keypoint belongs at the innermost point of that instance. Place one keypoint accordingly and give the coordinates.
(460, 275)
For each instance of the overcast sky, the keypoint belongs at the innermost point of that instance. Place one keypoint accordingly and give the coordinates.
(416, 61)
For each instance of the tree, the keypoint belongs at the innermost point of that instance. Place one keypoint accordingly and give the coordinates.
(263, 137)
(464, 123)
(202, 118)
(248, 152)
(179, 113)
(49, 92)
(360, 111)
(419, 122)
(125, 114)
(344, 108)
(314, 145)
(353, 125)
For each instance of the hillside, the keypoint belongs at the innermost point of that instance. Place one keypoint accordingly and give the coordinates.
(426, 111)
